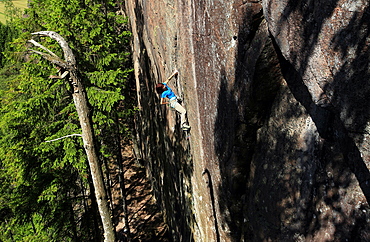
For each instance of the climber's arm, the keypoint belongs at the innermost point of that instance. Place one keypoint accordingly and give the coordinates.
(168, 79)
(163, 101)
(172, 75)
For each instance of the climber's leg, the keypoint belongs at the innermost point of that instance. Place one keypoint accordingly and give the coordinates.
(182, 112)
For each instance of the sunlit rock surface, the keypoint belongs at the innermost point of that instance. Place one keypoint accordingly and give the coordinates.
(277, 95)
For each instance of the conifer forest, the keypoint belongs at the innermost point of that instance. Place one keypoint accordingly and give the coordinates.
(48, 186)
(262, 134)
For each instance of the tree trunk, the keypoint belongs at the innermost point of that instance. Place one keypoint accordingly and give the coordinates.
(121, 179)
(84, 115)
(72, 219)
(82, 108)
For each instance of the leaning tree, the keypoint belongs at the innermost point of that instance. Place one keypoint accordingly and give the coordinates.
(82, 107)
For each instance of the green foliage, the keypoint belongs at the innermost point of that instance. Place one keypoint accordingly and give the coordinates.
(8, 32)
(43, 183)
(35, 170)
(29, 231)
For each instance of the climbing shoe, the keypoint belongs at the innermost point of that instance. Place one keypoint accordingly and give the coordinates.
(185, 127)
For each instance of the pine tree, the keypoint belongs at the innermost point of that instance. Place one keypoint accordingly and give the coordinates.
(46, 184)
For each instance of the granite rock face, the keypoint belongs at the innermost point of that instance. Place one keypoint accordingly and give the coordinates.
(277, 95)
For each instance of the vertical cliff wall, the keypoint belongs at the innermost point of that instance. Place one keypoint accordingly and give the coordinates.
(277, 95)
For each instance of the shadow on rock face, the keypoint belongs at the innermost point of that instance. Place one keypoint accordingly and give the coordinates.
(241, 111)
(165, 153)
(289, 165)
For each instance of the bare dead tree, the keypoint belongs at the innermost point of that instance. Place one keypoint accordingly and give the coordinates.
(84, 115)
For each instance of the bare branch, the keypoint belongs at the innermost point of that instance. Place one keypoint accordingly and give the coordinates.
(70, 135)
(68, 54)
(53, 59)
(35, 43)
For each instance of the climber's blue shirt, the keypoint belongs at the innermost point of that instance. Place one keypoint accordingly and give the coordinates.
(168, 93)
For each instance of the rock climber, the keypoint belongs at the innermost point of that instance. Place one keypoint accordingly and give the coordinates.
(166, 93)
